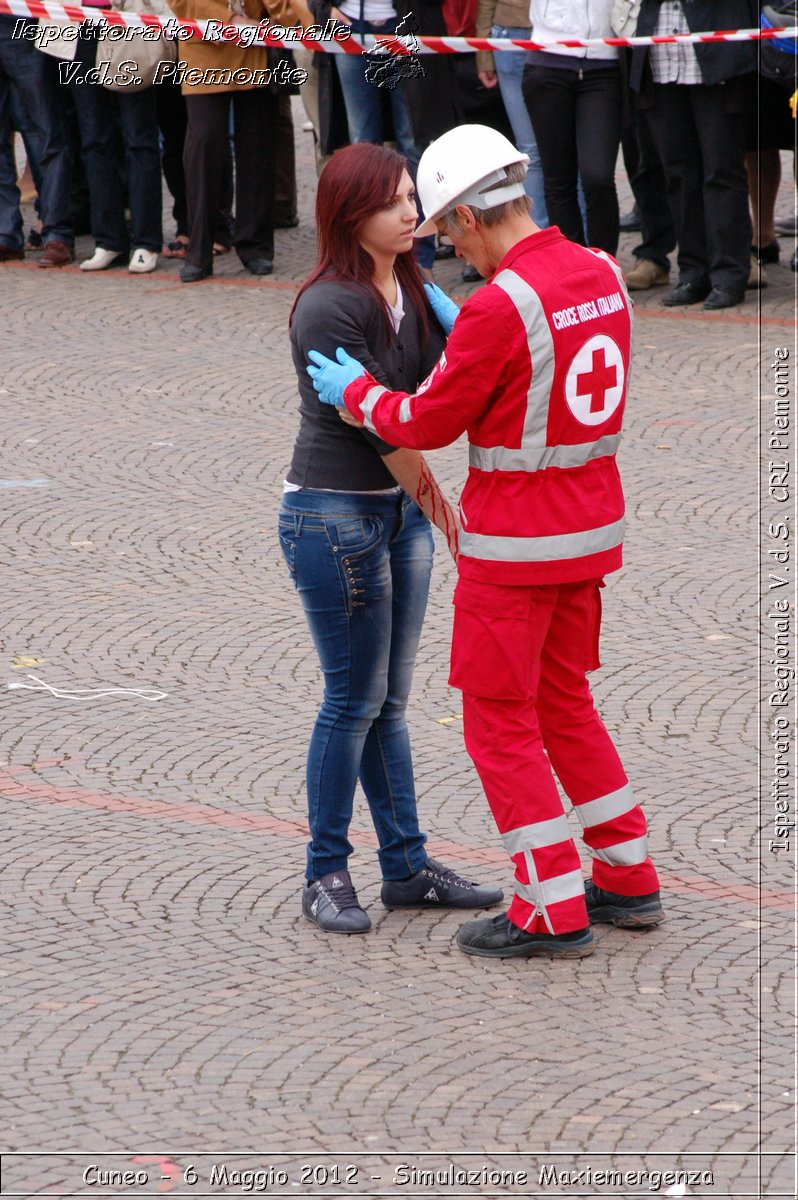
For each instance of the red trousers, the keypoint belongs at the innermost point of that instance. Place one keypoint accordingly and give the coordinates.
(521, 656)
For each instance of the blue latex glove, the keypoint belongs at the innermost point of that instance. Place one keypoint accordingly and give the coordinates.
(330, 379)
(771, 18)
(445, 309)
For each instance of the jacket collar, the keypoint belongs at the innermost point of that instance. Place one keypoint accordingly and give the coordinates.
(542, 240)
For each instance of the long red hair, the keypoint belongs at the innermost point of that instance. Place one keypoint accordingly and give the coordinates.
(357, 182)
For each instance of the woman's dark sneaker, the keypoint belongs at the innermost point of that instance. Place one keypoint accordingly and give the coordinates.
(331, 903)
(627, 912)
(497, 937)
(436, 886)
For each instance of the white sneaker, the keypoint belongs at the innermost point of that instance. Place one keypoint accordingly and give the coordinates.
(143, 261)
(101, 259)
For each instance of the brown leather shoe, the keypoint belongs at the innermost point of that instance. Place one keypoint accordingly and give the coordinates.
(645, 274)
(56, 254)
(9, 254)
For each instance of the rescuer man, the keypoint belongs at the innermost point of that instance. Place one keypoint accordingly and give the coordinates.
(535, 370)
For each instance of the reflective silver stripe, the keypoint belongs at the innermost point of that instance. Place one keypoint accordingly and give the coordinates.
(405, 413)
(535, 458)
(561, 887)
(367, 407)
(624, 854)
(542, 549)
(535, 888)
(534, 837)
(614, 804)
(630, 304)
(541, 351)
(618, 273)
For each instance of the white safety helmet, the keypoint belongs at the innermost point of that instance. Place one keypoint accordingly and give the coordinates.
(459, 166)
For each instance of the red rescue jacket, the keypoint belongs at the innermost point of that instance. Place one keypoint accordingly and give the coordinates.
(535, 370)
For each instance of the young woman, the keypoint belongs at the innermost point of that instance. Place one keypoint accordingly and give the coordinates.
(358, 545)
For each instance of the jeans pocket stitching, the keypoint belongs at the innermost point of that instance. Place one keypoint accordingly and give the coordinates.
(372, 535)
(351, 559)
(288, 548)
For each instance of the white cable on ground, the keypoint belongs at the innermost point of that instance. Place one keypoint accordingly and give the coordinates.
(87, 693)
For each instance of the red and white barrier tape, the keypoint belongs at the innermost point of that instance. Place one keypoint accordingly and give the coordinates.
(182, 29)
(214, 31)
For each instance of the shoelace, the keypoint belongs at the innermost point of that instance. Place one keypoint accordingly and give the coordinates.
(446, 874)
(342, 897)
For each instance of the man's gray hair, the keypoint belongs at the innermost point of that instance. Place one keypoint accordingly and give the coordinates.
(516, 173)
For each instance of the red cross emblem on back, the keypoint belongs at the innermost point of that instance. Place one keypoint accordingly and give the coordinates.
(594, 385)
(597, 381)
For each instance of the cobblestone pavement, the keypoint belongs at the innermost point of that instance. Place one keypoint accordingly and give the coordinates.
(162, 995)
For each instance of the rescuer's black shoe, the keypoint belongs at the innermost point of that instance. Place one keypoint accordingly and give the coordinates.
(627, 912)
(497, 937)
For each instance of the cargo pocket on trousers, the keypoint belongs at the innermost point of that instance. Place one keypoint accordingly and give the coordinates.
(592, 649)
(491, 642)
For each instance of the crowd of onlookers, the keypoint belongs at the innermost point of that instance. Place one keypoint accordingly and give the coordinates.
(700, 126)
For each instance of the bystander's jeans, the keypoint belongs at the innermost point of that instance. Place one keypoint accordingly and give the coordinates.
(31, 139)
(510, 72)
(364, 114)
(364, 100)
(361, 563)
(100, 113)
(34, 76)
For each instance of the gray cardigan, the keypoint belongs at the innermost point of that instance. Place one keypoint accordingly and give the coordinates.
(328, 453)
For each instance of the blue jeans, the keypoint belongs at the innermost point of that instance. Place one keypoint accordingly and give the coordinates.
(510, 72)
(361, 565)
(100, 112)
(364, 100)
(34, 76)
(30, 139)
